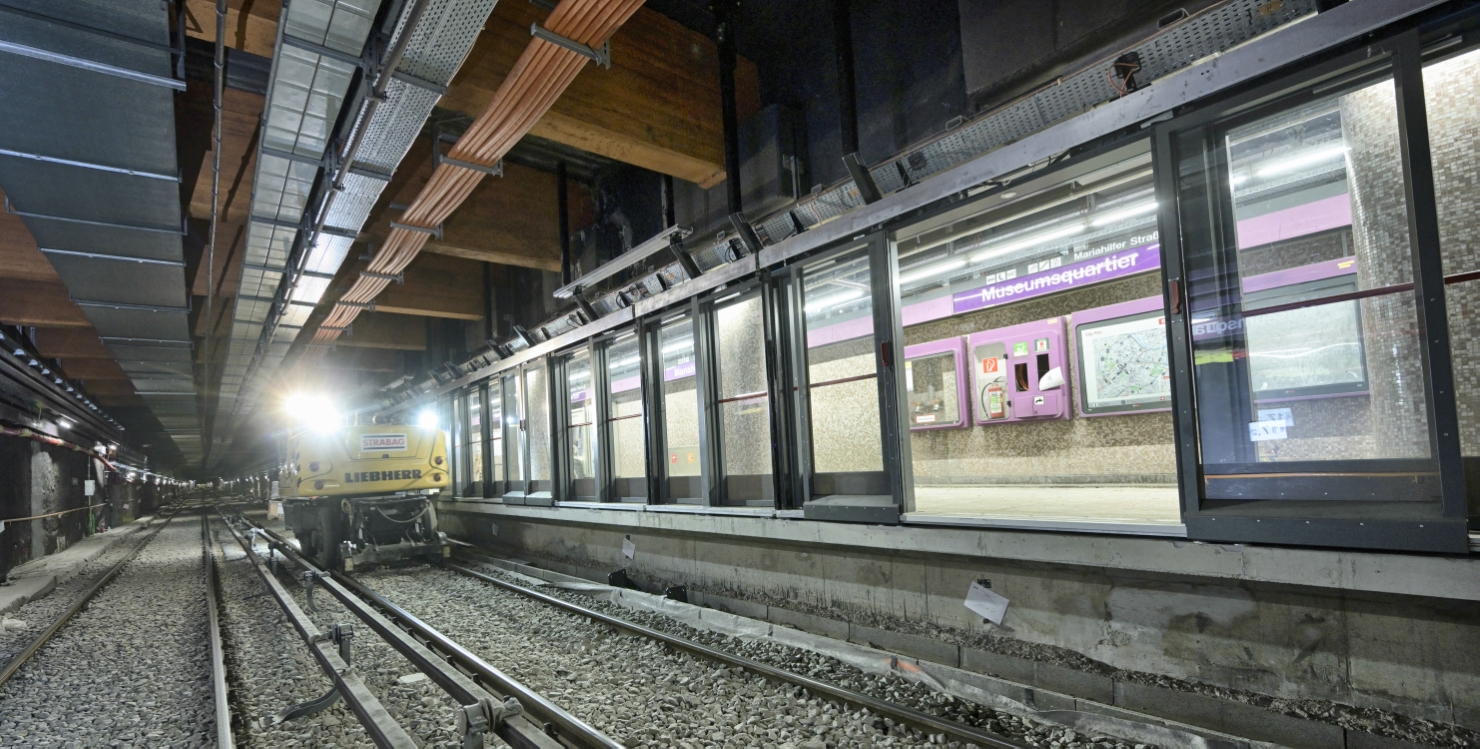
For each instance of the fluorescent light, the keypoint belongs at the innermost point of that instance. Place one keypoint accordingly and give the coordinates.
(1048, 236)
(920, 274)
(624, 362)
(1130, 211)
(1301, 160)
(1238, 179)
(679, 345)
(832, 301)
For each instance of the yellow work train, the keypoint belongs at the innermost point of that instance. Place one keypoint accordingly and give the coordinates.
(363, 494)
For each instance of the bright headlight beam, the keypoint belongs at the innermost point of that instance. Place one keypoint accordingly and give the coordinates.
(1130, 211)
(1300, 161)
(427, 419)
(1062, 232)
(828, 302)
(920, 274)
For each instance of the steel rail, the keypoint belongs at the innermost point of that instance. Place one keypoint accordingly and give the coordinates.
(25, 655)
(378, 723)
(443, 668)
(218, 654)
(899, 713)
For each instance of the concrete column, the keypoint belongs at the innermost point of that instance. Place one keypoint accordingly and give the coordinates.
(1369, 120)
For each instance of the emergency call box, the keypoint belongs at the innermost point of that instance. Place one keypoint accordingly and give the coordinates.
(935, 382)
(1018, 373)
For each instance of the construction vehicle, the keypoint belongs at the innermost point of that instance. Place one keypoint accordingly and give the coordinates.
(358, 495)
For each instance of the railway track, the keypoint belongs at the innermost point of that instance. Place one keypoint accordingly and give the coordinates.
(621, 683)
(126, 659)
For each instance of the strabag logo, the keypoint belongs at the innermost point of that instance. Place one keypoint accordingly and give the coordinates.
(370, 443)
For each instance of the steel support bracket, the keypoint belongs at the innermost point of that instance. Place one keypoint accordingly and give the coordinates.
(685, 260)
(435, 231)
(439, 158)
(367, 306)
(585, 304)
(309, 576)
(868, 190)
(478, 719)
(399, 278)
(602, 55)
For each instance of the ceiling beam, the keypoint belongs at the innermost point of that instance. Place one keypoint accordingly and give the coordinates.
(394, 332)
(436, 286)
(251, 25)
(657, 107)
(70, 344)
(44, 305)
(92, 370)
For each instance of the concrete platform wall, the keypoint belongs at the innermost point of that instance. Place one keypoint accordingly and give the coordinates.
(38, 479)
(1235, 617)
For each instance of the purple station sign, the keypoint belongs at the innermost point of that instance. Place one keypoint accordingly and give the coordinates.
(1127, 262)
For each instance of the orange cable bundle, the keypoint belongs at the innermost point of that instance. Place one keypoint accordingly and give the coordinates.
(540, 76)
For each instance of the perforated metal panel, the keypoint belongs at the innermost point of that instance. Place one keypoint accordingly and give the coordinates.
(1176, 47)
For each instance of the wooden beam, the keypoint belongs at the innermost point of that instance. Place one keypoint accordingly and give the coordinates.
(94, 369)
(509, 220)
(251, 25)
(44, 305)
(70, 344)
(436, 286)
(658, 107)
(108, 387)
(394, 332)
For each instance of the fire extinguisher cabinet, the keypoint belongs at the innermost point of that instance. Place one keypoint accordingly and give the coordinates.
(1019, 373)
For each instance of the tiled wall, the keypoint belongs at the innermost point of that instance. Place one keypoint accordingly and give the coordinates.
(1128, 448)
(1369, 120)
(1454, 132)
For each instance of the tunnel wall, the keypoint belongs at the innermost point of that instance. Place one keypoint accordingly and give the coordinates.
(1092, 614)
(38, 479)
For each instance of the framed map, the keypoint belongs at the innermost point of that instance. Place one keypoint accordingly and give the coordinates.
(1123, 364)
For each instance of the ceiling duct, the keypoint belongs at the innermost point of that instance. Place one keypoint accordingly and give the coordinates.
(544, 70)
(295, 243)
(88, 161)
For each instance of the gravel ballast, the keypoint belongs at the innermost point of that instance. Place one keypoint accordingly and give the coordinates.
(637, 690)
(132, 668)
(269, 667)
(20, 628)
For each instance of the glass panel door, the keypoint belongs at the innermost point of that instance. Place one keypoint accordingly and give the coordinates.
(842, 376)
(1302, 328)
(537, 430)
(495, 416)
(624, 422)
(514, 431)
(580, 427)
(681, 411)
(744, 406)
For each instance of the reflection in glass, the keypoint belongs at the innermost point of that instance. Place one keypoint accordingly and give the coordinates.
(1076, 238)
(628, 446)
(1450, 93)
(581, 427)
(680, 409)
(841, 371)
(1320, 212)
(745, 420)
(933, 387)
(475, 443)
(514, 427)
(537, 424)
(496, 430)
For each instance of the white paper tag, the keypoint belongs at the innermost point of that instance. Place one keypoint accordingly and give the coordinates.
(1260, 431)
(1277, 414)
(89, 487)
(493, 529)
(629, 549)
(2, 527)
(984, 601)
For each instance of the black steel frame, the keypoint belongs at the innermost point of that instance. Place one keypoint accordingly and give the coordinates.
(1395, 525)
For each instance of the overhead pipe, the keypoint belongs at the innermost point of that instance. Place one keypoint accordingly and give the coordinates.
(540, 76)
(218, 86)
